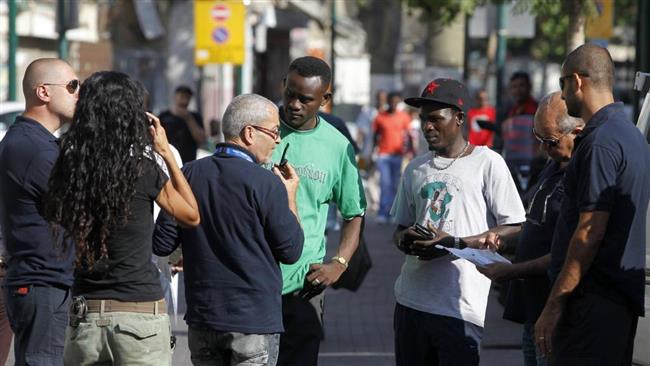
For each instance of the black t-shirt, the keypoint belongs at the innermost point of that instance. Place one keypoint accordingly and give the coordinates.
(179, 134)
(128, 274)
(544, 201)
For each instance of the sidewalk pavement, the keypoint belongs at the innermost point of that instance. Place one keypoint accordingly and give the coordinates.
(359, 326)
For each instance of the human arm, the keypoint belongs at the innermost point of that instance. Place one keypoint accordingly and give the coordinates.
(165, 235)
(582, 250)
(175, 197)
(329, 273)
(505, 271)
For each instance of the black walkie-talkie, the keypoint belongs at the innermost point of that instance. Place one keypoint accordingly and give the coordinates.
(283, 160)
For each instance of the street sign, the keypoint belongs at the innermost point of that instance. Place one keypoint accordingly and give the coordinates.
(219, 31)
(599, 26)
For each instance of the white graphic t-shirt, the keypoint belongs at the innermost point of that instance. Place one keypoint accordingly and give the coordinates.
(474, 194)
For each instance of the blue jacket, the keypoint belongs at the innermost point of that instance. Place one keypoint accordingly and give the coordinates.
(232, 277)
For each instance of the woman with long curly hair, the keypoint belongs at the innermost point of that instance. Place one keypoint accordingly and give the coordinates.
(101, 193)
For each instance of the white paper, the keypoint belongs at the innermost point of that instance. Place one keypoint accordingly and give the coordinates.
(480, 257)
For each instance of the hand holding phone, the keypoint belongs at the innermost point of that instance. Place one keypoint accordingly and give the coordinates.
(283, 159)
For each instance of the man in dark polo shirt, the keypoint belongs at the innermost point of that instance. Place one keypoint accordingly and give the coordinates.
(249, 224)
(184, 128)
(555, 130)
(39, 273)
(598, 250)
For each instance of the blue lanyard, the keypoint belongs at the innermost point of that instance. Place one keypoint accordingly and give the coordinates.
(233, 152)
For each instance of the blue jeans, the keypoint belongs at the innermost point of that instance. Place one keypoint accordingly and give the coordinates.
(532, 356)
(38, 316)
(390, 171)
(423, 339)
(210, 347)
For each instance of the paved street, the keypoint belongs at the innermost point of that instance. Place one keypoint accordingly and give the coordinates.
(358, 326)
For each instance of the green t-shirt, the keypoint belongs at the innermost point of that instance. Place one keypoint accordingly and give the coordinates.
(326, 165)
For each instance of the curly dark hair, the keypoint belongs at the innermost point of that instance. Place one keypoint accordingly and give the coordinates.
(308, 66)
(102, 155)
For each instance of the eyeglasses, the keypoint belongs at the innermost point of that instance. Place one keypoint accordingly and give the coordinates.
(562, 78)
(550, 142)
(71, 86)
(274, 134)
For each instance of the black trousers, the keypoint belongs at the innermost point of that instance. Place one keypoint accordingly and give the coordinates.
(594, 330)
(303, 330)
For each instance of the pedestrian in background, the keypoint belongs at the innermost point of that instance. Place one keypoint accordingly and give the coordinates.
(519, 144)
(464, 195)
(233, 283)
(391, 136)
(598, 252)
(482, 121)
(101, 192)
(325, 162)
(38, 277)
(555, 130)
(184, 127)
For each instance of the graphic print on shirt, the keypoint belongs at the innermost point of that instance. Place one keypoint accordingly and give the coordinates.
(439, 193)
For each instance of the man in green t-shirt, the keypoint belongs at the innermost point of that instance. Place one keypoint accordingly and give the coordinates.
(325, 162)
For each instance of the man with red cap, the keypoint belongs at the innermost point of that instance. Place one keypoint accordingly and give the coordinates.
(465, 196)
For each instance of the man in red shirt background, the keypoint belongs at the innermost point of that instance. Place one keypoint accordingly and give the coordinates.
(479, 135)
(391, 135)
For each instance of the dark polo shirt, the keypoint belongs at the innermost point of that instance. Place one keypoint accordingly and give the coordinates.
(528, 296)
(27, 155)
(609, 171)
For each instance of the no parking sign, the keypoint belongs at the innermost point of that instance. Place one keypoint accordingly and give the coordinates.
(219, 31)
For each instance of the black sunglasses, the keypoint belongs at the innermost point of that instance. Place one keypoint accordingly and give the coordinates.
(71, 86)
(562, 78)
(550, 142)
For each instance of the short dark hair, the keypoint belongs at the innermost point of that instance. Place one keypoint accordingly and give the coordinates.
(520, 75)
(394, 94)
(594, 61)
(309, 66)
(183, 89)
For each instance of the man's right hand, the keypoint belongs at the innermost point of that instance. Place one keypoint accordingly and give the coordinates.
(289, 178)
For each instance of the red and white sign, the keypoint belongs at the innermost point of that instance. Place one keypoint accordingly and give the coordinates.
(220, 12)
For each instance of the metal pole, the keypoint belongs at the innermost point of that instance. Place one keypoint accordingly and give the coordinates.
(63, 42)
(502, 14)
(13, 45)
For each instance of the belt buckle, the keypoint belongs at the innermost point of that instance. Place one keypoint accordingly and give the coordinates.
(78, 310)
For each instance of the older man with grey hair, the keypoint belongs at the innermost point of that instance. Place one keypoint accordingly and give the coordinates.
(529, 288)
(249, 224)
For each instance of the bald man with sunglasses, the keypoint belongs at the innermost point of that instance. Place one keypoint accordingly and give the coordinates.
(555, 130)
(39, 274)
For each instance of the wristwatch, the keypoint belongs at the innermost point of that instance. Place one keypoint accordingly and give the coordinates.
(341, 260)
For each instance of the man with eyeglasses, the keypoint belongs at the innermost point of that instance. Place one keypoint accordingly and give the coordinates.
(555, 130)
(249, 224)
(39, 274)
(598, 251)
